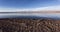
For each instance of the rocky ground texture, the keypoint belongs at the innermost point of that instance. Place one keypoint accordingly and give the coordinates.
(29, 25)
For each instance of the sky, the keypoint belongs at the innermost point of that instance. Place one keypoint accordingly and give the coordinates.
(27, 5)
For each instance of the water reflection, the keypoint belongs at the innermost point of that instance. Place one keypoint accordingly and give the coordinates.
(31, 14)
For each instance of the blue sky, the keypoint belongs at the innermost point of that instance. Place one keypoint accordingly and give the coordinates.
(28, 3)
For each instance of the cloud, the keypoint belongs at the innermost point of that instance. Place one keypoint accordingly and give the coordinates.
(49, 8)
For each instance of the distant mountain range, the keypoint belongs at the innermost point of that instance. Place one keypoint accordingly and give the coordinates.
(33, 12)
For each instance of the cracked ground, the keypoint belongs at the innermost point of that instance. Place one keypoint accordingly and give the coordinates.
(29, 25)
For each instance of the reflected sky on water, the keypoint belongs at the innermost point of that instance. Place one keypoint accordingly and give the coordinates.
(31, 14)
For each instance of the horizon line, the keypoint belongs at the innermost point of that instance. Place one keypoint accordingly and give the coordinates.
(33, 12)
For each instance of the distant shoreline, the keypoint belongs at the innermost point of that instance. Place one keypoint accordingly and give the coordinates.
(33, 12)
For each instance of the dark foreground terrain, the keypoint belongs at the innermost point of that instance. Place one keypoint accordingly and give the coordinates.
(29, 25)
